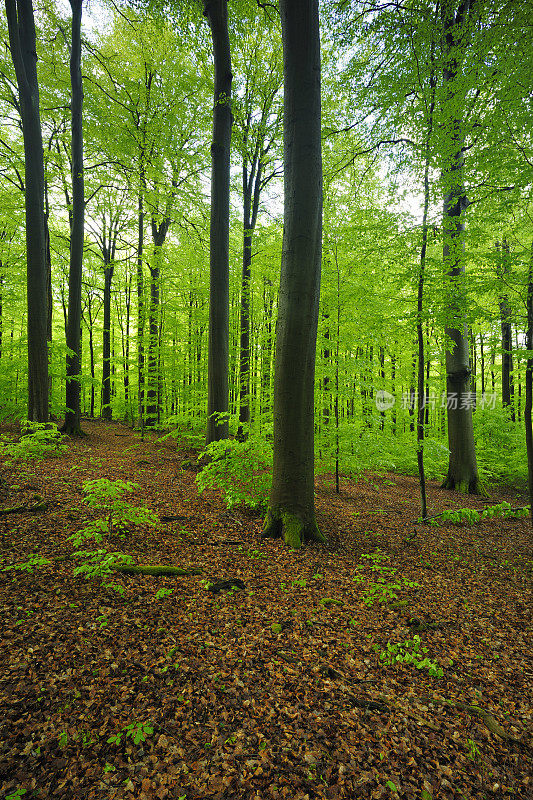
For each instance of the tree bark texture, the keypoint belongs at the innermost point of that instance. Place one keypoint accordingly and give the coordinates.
(22, 42)
(216, 12)
(291, 511)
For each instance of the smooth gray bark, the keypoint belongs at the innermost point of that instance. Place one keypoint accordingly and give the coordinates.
(22, 43)
(216, 12)
(291, 511)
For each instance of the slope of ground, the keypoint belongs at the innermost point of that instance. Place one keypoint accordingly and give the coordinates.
(290, 688)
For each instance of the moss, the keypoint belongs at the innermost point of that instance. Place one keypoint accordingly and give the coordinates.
(293, 530)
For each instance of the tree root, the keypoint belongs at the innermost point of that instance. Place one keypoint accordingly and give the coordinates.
(489, 721)
(377, 705)
(471, 486)
(294, 529)
(158, 569)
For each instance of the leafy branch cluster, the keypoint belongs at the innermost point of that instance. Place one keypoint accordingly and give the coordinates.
(241, 470)
(469, 516)
(38, 440)
(409, 652)
(119, 515)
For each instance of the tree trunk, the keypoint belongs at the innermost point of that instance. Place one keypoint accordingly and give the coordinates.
(462, 469)
(423, 395)
(72, 415)
(251, 184)
(140, 295)
(502, 272)
(159, 233)
(216, 12)
(291, 510)
(153, 349)
(22, 43)
(529, 383)
(106, 355)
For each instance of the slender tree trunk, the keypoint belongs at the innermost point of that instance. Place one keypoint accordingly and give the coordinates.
(529, 383)
(502, 272)
(140, 295)
(72, 415)
(22, 42)
(291, 510)
(106, 355)
(159, 233)
(266, 350)
(482, 358)
(422, 394)
(462, 469)
(216, 12)
(518, 380)
(153, 350)
(251, 193)
(1, 307)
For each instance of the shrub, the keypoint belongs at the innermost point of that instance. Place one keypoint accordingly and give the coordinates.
(241, 470)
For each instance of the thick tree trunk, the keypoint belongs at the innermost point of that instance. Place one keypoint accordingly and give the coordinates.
(72, 415)
(22, 43)
(216, 12)
(462, 469)
(291, 510)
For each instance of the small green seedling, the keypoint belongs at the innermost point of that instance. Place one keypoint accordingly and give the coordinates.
(138, 731)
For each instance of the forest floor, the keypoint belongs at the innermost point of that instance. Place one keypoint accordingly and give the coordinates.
(277, 690)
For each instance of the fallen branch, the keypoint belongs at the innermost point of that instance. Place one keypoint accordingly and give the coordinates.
(159, 570)
(488, 719)
(490, 722)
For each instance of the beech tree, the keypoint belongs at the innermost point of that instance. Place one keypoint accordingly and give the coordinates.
(462, 469)
(216, 12)
(72, 413)
(22, 43)
(291, 508)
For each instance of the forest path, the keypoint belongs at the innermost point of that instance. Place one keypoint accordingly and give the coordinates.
(288, 689)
